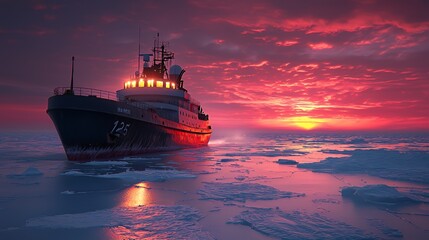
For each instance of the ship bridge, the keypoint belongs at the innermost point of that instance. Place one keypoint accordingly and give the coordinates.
(161, 90)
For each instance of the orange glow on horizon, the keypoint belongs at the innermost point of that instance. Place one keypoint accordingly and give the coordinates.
(312, 123)
(306, 123)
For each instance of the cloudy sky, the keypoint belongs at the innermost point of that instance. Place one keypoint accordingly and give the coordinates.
(342, 65)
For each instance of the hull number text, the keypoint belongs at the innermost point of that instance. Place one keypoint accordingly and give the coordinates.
(120, 128)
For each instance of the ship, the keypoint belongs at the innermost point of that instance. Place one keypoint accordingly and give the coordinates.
(152, 112)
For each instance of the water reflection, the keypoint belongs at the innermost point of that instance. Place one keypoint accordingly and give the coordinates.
(137, 195)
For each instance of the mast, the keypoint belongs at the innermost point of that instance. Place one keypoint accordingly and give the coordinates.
(160, 56)
(72, 73)
(162, 60)
(138, 56)
(155, 47)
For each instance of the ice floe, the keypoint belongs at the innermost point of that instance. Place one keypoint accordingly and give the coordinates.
(68, 192)
(418, 195)
(228, 160)
(140, 158)
(142, 222)
(356, 141)
(326, 200)
(131, 176)
(242, 191)
(215, 209)
(73, 173)
(102, 163)
(410, 166)
(296, 225)
(386, 230)
(149, 175)
(382, 194)
(286, 162)
(271, 153)
(240, 178)
(29, 172)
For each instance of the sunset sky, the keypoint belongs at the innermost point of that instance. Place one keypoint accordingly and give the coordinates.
(333, 65)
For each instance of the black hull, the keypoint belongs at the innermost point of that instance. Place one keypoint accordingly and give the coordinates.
(96, 128)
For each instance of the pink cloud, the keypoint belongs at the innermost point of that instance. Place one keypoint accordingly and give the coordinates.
(287, 43)
(320, 46)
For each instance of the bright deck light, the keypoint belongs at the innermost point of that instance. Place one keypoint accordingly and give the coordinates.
(150, 83)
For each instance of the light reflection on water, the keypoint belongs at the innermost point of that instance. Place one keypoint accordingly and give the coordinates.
(238, 158)
(137, 195)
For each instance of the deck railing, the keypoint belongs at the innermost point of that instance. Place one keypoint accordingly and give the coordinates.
(82, 91)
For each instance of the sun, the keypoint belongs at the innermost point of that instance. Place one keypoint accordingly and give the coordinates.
(303, 122)
(306, 123)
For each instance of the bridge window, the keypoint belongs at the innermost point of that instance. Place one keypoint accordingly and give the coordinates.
(141, 82)
(159, 84)
(150, 83)
(167, 85)
(127, 84)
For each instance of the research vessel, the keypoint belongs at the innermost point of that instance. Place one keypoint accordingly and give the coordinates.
(152, 112)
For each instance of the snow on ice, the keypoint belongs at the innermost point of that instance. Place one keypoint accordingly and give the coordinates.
(140, 158)
(296, 225)
(68, 192)
(102, 163)
(73, 173)
(154, 222)
(383, 194)
(29, 172)
(267, 153)
(412, 166)
(242, 191)
(148, 175)
(386, 230)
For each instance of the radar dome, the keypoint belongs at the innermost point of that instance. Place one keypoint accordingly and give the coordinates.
(175, 70)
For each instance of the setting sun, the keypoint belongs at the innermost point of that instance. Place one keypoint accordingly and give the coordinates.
(305, 122)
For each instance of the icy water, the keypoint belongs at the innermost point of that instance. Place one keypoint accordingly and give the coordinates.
(242, 186)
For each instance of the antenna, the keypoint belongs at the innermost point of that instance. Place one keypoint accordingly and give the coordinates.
(138, 58)
(156, 49)
(72, 72)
